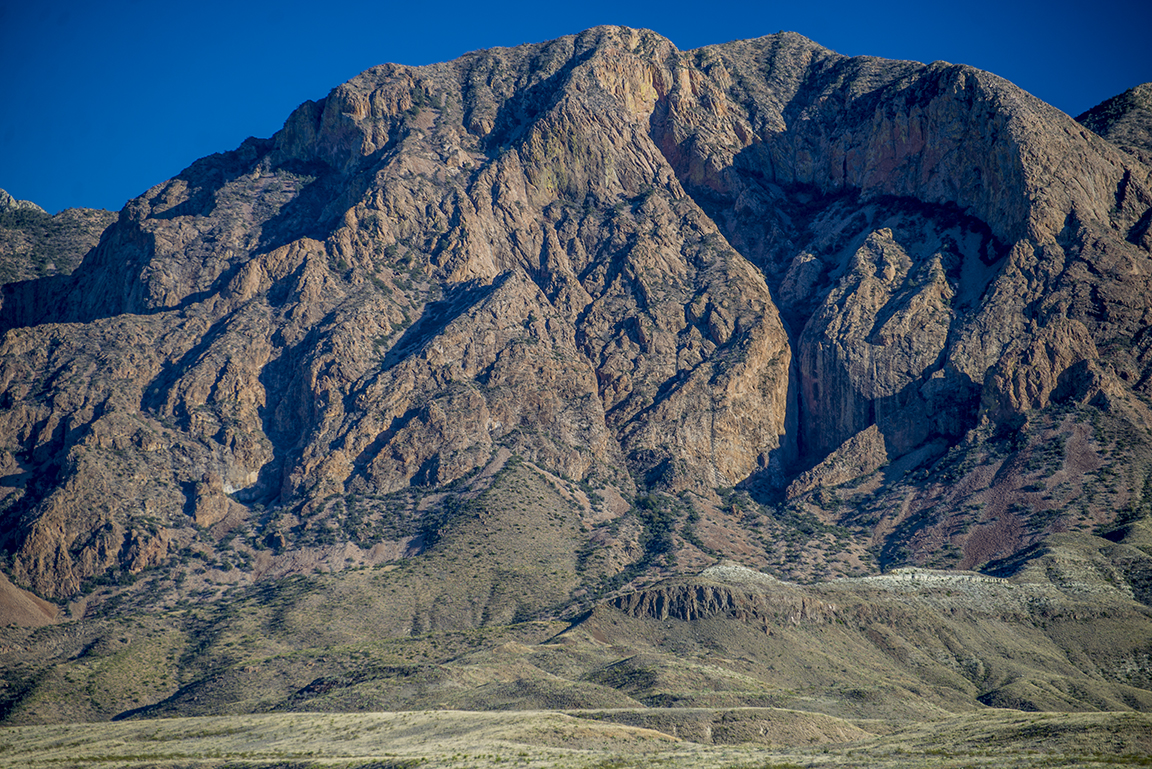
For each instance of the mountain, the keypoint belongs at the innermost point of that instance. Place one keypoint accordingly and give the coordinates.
(507, 351)
(34, 244)
(1125, 120)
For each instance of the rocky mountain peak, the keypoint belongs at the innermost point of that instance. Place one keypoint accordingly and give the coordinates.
(9, 203)
(595, 374)
(1125, 120)
(759, 264)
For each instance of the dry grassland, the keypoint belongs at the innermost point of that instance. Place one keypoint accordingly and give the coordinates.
(576, 740)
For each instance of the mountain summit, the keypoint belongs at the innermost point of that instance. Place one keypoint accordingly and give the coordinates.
(540, 324)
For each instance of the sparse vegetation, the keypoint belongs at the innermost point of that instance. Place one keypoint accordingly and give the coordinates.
(581, 740)
(406, 454)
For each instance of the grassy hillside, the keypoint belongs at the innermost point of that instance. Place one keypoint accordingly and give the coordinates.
(1065, 631)
(579, 740)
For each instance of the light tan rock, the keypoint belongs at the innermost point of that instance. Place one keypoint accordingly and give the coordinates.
(630, 265)
(859, 455)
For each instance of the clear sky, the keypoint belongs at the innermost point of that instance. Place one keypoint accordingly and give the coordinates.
(101, 100)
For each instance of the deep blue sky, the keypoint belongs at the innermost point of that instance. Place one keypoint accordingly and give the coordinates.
(100, 101)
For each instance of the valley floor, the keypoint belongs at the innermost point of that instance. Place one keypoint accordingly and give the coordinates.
(575, 739)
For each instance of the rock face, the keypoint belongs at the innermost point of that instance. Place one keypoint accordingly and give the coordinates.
(1125, 120)
(9, 203)
(727, 590)
(34, 244)
(638, 268)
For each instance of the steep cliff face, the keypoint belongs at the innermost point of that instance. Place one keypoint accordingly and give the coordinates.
(919, 226)
(637, 268)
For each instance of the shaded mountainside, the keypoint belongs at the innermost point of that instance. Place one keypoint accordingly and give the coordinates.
(495, 340)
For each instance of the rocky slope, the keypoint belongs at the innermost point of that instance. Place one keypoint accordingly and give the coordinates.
(547, 377)
(34, 244)
(901, 306)
(1125, 120)
(1064, 628)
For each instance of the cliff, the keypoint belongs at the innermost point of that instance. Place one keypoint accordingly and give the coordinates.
(640, 269)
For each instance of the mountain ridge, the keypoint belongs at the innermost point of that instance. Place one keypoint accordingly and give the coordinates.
(544, 334)
(361, 119)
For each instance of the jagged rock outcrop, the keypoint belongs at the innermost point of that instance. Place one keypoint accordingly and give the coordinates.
(1125, 120)
(931, 241)
(861, 454)
(727, 590)
(34, 244)
(633, 266)
(9, 203)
